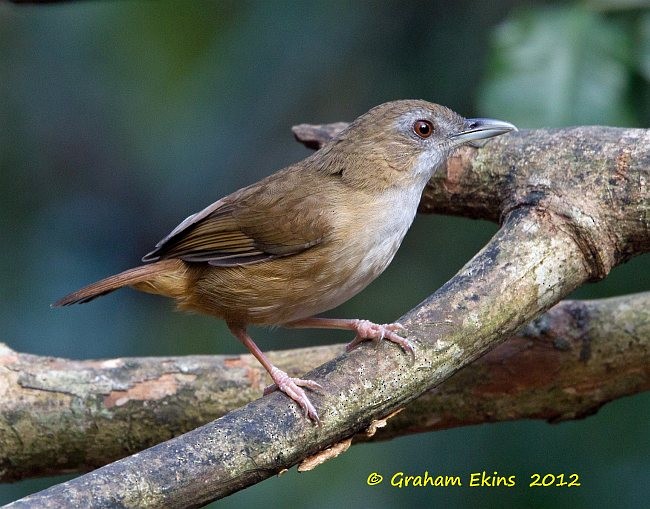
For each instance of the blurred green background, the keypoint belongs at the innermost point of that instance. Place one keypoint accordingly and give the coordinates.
(119, 119)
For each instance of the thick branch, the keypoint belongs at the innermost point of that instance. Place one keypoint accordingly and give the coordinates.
(564, 365)
(570, 213)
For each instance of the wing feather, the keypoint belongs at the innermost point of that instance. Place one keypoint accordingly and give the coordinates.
(261, 222)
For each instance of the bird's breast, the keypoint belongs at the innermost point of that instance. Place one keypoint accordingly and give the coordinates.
(377, 236)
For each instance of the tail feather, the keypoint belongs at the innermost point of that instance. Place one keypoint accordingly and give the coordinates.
(147, 274)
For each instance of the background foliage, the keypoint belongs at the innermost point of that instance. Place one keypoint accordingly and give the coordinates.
(118, 119)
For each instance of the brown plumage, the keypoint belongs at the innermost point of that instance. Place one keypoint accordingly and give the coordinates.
(307, 238)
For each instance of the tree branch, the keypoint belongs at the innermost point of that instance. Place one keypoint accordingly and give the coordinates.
(573, 204)
(564, 365)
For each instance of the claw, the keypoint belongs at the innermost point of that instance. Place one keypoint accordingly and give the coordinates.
(367, 330)
(292, 387)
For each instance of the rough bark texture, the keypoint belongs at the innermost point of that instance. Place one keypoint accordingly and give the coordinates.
(573, 203)
(59, 416)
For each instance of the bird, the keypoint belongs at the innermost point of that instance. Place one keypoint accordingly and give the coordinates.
(307, 238)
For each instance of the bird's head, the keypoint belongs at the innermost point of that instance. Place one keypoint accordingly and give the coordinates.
(405, 140)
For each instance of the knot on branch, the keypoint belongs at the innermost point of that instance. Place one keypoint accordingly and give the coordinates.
(587, 177)
(587, 230)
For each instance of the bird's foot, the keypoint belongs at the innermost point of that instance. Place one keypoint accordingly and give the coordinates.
(292, 387)
(367, 330)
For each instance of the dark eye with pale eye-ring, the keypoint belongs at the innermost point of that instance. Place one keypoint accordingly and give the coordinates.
(423, 128)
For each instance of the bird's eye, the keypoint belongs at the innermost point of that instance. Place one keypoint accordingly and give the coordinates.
(423, 128)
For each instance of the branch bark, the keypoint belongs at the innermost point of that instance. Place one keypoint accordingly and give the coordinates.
(564, 365)
(573, 204)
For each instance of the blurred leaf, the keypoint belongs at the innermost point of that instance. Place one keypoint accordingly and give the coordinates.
(643, 47)
(557, 67)
(617, 5)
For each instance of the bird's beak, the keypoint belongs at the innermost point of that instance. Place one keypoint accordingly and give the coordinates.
(477, 130)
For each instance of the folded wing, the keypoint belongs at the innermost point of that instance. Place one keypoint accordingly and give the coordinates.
(261, 222)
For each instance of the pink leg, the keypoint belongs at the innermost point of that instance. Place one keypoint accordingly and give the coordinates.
(292, 387)
(364, 329)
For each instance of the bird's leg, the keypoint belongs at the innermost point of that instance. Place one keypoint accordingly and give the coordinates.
(364, 329)
(292, 387)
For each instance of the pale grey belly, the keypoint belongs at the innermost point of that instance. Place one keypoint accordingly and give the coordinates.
(330, 294)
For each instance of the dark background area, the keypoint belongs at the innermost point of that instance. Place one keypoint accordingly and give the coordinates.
(119, 119)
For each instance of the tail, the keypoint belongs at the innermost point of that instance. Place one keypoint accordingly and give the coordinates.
(166, 277)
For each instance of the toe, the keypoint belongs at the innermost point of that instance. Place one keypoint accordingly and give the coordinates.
(299, 396)
(309, 384)
(269, 389)
(354, 343)
(404, 343)
(396, 326)
(292, 387)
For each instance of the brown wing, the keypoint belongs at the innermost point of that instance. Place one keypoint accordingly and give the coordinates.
(267, 220)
